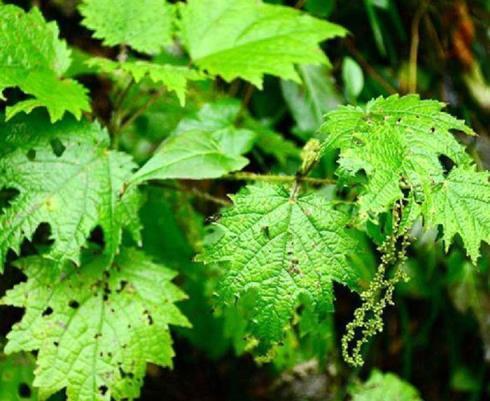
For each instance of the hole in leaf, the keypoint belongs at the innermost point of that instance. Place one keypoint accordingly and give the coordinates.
(97, 236)
(446, 163)
(74, 304)
(149, 317)
(103, 390)
(57, 147)
(31, 155)
(42, 236)
(24, 391)
(48, 311)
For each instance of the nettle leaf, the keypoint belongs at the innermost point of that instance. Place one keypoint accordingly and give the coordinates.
(397, 142)
(247, 38)
(173, 77)
(385, 386)
(95, 330)
(16, 377)
(461, 204)
(192, 155)
(33, 58)
(65, 176)
(284, 251)
(145, 25)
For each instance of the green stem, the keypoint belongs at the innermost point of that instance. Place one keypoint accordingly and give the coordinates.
(246, 176)
(193, 191)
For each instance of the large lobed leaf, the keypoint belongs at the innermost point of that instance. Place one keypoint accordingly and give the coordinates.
(65, 176)
(285, 251)
(248, 38)
(404, 143)
(95, 329)
(145, 25)
(33, 58)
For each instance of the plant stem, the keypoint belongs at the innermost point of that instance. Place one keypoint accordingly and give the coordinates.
(193, 191)
(246, 176)
(414, 48)
(152, 99)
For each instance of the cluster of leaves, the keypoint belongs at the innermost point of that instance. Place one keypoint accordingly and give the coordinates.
(97, 305)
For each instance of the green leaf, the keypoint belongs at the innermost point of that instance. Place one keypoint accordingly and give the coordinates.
(397, 142)
(65, 176)
(285, 251)
(220, 119)
(309, 101)
(95, 330)
(224, 118)
(34, 58)
(385, 386)
(192, 155)
(145, 25)
(16, 377)
(173, 77)
(353, 78)
(247, 38)
(461, 204)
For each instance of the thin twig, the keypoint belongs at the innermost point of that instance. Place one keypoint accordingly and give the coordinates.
(414, 47)
(193, 191)
(245, 176)
(151, 100)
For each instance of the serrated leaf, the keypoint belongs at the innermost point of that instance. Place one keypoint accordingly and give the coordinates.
(33, 58)
(65, 176)
(461, 204)
(16, 377)
(247, 38)
(145, 25)
(397, 141)
(192, 155)
(95, 329)
(385, 386)
(283, 250)
(173, 77)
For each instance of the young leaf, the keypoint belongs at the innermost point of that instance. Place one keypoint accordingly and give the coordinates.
(397, 141)
(145, 25)
(33, 58)
(247, 38)
(385, 386)
(95, 330)
(285, 251)
(192, 155)
(66, 177)
(173, 77)
(222, 118)
(461, 204)
(16, 377)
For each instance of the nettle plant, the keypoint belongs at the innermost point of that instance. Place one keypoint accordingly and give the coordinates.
(98, 308)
